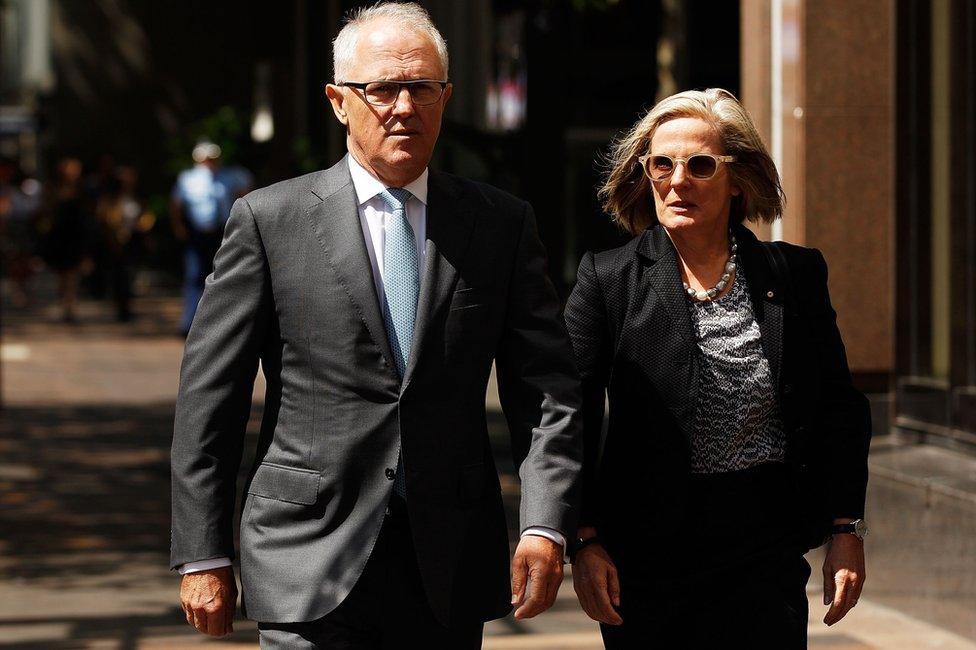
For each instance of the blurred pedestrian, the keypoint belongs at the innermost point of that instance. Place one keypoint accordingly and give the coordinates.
(69, 233)
(199, 207)
(98, 183)
(20, 200)
(123, 221)
(736, 440)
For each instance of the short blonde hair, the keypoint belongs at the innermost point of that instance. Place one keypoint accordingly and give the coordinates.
(626, 193)
(407, 15)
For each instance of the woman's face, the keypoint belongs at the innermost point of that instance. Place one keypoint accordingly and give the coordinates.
(681, 201)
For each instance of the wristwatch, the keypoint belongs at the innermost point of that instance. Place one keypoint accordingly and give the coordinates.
(579, 544)
(858, 528)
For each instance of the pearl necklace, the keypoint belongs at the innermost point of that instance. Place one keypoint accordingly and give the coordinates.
(704, 296)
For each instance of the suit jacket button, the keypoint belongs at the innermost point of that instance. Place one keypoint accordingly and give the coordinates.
(390, 473)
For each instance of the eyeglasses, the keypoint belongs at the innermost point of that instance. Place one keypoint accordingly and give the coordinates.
(700, 166)
(423, 92)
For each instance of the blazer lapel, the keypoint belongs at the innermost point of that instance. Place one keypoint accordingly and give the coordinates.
(449, 229)
(767, 303)
(664, 278)
(664, 325)
(334, 218)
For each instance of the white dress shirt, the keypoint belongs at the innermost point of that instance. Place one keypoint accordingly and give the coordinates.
(373, 216)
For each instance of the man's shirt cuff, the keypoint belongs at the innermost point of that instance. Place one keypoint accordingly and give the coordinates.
(550, 534)
(204, 565)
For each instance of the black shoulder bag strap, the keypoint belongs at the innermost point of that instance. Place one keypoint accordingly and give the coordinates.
(784, 279)
(605, 424)
(781, 272)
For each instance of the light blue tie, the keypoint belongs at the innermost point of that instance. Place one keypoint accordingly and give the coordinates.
(401, 281)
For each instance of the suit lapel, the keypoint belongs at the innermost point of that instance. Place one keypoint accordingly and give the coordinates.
(664, 323)
(449, 228)
(334, 218)
(767, 303)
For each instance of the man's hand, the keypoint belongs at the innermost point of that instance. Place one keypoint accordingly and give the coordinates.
(596, 583)
(537, 570)
(843, 573)
(209, 599)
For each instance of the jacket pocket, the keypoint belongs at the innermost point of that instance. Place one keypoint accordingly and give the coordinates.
(470, 297)
(286, 484)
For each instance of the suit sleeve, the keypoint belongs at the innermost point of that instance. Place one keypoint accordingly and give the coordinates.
(216, 381)
(586, 319)
(539, 391)
(844, 412)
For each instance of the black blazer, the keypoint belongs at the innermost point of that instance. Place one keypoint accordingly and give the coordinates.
(634, 343)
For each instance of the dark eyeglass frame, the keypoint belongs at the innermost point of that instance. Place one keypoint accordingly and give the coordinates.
(362, 85)
(718, 160)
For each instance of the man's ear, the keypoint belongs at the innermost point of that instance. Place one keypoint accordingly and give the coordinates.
(338, 100)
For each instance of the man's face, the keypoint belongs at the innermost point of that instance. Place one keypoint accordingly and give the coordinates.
(394, 142)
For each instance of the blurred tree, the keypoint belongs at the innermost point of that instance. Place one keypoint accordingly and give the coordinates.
(226, 127)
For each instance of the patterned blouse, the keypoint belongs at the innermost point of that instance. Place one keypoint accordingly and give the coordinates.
(737, 421)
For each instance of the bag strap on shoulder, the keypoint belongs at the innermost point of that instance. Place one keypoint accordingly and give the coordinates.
(781, 272)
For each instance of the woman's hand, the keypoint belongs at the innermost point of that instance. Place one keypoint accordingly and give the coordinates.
(843, 573)
(596, 583)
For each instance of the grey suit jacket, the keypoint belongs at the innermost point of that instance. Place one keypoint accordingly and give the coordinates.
(292, 287)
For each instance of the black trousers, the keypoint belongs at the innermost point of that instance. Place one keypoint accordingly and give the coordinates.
(762, 606)
(731, 574)
(386, 609)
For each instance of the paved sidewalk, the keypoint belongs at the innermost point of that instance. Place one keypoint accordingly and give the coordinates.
(84, 501)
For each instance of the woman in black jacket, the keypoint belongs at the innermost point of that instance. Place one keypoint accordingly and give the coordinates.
(735, 440)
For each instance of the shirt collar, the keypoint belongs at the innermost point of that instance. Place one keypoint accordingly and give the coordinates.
(367, 186)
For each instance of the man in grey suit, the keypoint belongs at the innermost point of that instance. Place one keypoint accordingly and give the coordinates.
(376, 295)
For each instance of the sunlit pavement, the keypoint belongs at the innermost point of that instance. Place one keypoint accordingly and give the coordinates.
(84, 501)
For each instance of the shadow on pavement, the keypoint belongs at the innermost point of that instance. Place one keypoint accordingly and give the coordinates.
(126, 633)
(81, 480)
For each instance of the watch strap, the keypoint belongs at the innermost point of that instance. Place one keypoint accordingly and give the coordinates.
(856, 528)
(579, 544)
